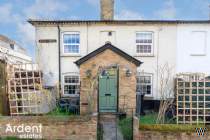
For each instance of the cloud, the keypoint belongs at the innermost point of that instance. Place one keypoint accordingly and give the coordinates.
(128, 15)
(5, 13)
(26, 33)
(168, 11)
(45, 8)
(38, 9)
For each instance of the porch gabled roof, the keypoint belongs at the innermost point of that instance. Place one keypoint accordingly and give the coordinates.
(114, 49)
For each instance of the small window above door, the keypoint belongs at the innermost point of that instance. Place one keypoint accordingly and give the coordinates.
(107, 36)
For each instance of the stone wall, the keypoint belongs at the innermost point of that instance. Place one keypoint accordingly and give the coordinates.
(71, 127)
(135, 128)
(153, 135)
(127, 85)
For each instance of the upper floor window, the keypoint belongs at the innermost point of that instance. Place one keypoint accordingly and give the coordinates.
(144, 43)
(144, 84)
(12, 46)
(71, 85)
(71, 42)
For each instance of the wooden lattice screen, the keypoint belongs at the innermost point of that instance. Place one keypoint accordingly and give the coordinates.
(193, 98)
(24, 88)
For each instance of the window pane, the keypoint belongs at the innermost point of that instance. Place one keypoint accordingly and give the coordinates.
(71, 89)
(71, 84)
(144, 42)
(71, 48)
(71, 79)
(71, 43)
(144, 84)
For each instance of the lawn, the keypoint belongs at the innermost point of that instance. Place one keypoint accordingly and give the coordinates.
(148, 122)
(12, 138)
(148, 119)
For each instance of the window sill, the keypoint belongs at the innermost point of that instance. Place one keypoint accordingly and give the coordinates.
(148, 96)
(69, 96)
(144, 55)
(197, 54)
(71, 55)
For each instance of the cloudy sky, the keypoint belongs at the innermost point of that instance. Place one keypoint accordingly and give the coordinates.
(14, 13)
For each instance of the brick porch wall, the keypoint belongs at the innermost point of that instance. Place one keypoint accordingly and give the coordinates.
(127, 85)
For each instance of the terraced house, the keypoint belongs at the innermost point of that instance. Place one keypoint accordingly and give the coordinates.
(124, 55)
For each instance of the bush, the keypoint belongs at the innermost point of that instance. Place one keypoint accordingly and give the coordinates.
(126, 128)
(58, 111)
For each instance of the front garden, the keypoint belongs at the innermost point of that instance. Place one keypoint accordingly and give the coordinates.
(148, 123)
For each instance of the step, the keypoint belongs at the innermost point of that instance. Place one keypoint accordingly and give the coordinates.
(107, 118)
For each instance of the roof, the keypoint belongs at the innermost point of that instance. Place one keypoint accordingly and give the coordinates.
(114, 49)
(40, 22)
(6, 39)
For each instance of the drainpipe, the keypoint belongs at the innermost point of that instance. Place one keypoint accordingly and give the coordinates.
(158, 47)
(87, 38)
(59, 60)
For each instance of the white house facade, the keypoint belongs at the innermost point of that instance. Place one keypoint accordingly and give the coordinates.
(183, 45)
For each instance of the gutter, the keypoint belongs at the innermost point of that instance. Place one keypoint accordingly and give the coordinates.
(59, 60)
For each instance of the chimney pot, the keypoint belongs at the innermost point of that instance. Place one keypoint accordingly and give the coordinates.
(107, 9)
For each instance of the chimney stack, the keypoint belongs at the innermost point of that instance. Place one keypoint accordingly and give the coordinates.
(107, 9)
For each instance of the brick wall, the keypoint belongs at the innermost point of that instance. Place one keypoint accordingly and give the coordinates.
(71, 128)
(152, 135)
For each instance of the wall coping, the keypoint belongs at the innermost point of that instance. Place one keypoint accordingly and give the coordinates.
(47, 119)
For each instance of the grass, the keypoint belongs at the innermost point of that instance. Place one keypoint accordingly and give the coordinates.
(148, 123)
(170, 127)
(59, 112)
(148, 119)
(125, 126)
(11, 138)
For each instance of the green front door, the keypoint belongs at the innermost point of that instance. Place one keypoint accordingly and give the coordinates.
(108, 91)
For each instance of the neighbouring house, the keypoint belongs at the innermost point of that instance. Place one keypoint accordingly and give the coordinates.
(125, 56)
(12, 52)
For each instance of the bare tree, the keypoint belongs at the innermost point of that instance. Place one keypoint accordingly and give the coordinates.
(92, 82)
(166, 89)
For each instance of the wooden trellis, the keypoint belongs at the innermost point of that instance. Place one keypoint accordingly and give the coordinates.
(24, 89)
(193, 98)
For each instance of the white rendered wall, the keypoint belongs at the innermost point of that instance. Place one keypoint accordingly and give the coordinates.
(190, 58)
(91, 39)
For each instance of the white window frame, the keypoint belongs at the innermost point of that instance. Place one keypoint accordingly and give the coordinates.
(205, 44)
(63, 44)
(63, 86)
(152, 44)
(151, 78)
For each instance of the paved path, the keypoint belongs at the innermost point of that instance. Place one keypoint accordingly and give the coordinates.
(110, 131)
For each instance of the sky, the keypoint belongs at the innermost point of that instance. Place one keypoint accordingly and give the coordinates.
(15, 13)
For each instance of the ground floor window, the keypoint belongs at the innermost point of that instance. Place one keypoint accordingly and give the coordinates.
(71, 85)
(144, 84)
